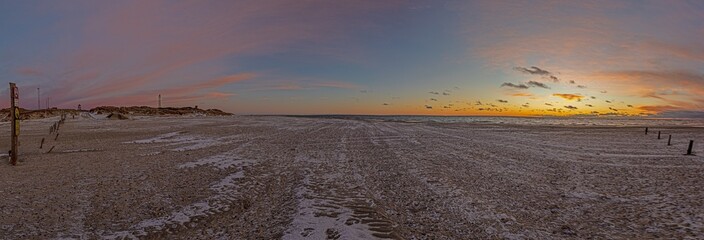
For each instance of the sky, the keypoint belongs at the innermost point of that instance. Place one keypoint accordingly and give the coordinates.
(513, 58)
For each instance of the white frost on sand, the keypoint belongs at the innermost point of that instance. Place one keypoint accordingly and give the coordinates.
(195, 143)
(220, 161)
(163, 138)
(81, 150)
(150, 154)
(225, 191)
(321, 216)
(183, 141)
(307, 224)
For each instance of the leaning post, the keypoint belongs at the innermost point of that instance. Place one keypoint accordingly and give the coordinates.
(669, 140)
(689, 149)
(646, 131)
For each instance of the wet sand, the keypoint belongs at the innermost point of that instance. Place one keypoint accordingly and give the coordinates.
(302, 178)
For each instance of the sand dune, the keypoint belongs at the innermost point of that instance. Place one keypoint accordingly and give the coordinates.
(304, 178)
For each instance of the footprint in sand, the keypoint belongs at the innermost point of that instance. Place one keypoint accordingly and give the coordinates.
(307, 231)
(351, 221)
(332, 233)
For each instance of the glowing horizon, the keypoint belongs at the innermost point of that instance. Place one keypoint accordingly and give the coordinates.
(512, 58)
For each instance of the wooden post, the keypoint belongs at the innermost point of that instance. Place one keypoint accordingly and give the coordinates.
(15, 118)
(159, 106)
(52, 148)
(669, 140)
(646, 131)
(658, 134)
(57, 136)
(689, 149)
(41, 144)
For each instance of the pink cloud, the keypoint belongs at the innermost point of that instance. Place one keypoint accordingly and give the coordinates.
(282, 83)
(219, 94)
(29, 72)
(137, 46)
(335, 84)
(631, 48)
(184, 92)
(585, 35)
(692, 52)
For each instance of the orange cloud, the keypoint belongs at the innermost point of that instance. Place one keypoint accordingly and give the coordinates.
(569, 96)
(219, 94)
(522, 95)
(659, 108)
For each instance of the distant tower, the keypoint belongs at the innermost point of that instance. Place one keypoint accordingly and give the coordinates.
(159, 100)
(39, 101)
(79, 107)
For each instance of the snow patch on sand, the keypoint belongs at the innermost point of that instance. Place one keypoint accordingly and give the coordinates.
(183, 141)
(221, 161)
(226, 190)
(163, 138)
(150, 154)
(311, 223)
(81, 150)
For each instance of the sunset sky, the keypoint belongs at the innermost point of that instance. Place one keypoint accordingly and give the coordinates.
(359, 57)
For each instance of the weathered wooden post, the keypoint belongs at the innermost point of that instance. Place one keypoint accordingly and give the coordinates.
(689, 149)
(41, 144)
(159, 106)
(15, 118)
(646, 131)
(669, 140)
(658, 134)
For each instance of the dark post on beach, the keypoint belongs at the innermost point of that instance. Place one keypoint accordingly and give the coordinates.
(15, 118)
(658, 134)
(646, 131)
(669, 140)
(689, 149)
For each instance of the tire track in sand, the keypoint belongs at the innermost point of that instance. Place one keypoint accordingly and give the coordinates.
(331, 204)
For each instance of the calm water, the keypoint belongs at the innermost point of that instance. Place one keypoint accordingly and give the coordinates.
(560, 121)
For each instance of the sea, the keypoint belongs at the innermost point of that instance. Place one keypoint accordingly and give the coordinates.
(540, 121)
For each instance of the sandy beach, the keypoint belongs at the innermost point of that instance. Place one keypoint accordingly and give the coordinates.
(268, 177)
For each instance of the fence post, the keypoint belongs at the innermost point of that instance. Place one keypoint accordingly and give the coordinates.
(15, 118)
